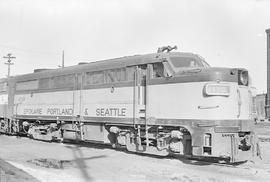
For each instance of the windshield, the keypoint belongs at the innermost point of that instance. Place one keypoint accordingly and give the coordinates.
(187, 62)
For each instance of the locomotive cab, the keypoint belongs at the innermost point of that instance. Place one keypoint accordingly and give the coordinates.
(213, 104)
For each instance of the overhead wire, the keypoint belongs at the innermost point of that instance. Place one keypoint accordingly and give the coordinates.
(29, 50)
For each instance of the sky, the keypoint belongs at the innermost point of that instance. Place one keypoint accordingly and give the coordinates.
(227, 33)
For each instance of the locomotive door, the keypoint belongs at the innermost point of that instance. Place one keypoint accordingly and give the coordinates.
(77, 96)
(77, 106)
(140, 93)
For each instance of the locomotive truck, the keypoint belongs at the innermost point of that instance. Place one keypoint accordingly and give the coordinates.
(162, 103)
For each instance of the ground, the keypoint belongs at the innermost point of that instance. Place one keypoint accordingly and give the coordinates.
(54, 162)
(13, 174)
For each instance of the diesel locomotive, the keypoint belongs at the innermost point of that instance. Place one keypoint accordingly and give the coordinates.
(162, 103)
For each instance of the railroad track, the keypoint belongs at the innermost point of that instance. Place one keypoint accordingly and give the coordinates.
(185, 159)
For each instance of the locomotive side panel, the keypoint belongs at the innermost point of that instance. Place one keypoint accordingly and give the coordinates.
(6, 105)
(244, 102)
(47, 98)
(186, 101)
(46, 105)
(3, 106)
(3, 100)
(108, 104)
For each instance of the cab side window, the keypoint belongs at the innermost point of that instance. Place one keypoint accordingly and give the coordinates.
(158, 70)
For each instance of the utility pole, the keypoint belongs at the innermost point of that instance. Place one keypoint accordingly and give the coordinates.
(267, 106)
(9, 63)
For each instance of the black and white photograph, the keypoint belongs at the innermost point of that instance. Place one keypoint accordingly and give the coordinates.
(134, 90)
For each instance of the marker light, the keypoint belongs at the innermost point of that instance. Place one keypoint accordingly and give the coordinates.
(212, 89)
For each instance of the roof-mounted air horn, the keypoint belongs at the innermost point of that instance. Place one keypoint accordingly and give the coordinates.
(166, 48)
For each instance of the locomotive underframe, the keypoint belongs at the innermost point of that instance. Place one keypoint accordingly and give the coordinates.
(228, 143)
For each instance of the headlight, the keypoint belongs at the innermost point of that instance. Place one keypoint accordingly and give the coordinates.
(212, 89)
(243, 77)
